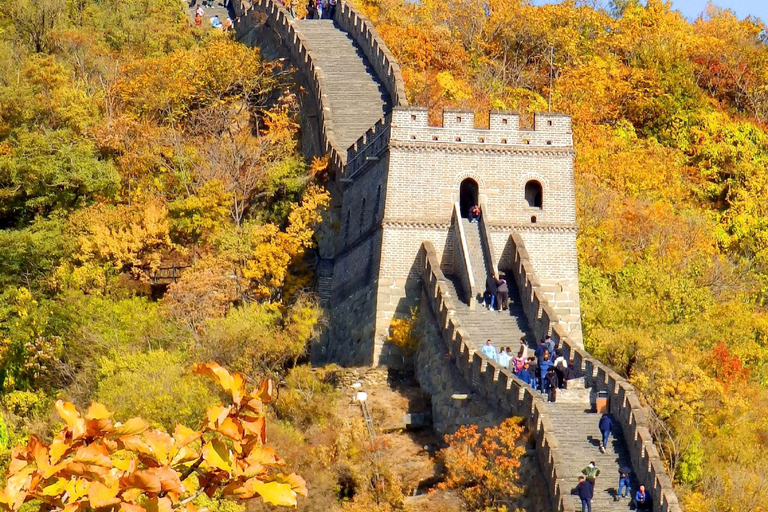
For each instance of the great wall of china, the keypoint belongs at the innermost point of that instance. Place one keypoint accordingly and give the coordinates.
(386, 158)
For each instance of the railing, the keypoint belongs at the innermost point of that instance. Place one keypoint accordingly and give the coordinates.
(494, 383)
(485, 237)
(167, 275)
(462, 266)
(625, 404)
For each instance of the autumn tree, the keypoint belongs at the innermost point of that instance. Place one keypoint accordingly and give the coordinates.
(483, 467)
(95, 463)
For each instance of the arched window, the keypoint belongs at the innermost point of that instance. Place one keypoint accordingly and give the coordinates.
(468, 194)
(362, 216)
(533, 194)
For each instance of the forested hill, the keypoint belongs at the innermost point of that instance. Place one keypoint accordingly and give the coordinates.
(670, 127)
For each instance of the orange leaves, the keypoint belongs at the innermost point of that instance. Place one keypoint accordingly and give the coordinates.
(94, 464)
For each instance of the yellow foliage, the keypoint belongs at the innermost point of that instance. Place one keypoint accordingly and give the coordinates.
(124, 237)
(402, 332)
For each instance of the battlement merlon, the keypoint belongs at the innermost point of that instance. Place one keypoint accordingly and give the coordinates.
(410, 124)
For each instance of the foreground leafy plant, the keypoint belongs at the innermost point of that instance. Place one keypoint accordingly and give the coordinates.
(95, 464)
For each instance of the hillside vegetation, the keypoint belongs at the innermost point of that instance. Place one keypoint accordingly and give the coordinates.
(670, 129)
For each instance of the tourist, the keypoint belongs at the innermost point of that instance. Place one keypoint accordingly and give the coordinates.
(489, 351)
(525, 375)
(584, 491)
(539, 352)
(294, 5)
(215, 22)
(319, 7)
(624, 490)
(503, 358)
(311, 9)
(643, 500)
(490, 292)
(228, 25)
(198, 20)
(550, 344)
(523, 347)
(533, 368)
(591, 472)
(561, 368)
(332, 8)
(544, 365)
(474, 214)
(518, 361)
(551, 384)
(502, 294)
(605, 425)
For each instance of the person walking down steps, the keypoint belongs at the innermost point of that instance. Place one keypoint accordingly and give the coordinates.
(584, 491)
(605, 426)
(624, 489)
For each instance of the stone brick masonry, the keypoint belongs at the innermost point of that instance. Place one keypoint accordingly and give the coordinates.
(396, 194)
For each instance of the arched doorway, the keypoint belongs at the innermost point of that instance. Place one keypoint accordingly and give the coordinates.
(468, 194)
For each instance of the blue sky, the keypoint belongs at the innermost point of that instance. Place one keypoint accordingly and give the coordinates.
(692, 8)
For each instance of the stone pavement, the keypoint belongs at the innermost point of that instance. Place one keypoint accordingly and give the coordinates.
(356, 96)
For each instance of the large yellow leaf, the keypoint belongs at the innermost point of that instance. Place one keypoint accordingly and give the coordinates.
(265, 391)
(131, 427)
(97, 411)
(55, 488)
(131, 507)
(93, 454)
(161, 445)
(159, 505)
(216, 415)
(169, 480)
(71, 417)
(217, 455)
(185, 435)
(276, 493)
(145, 480)
(100, 495)
(231, 428)
(298, 484)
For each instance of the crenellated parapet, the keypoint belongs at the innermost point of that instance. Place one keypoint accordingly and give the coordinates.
(368, 148)
(551, 130)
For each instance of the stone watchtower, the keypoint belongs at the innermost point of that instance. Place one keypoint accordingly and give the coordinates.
(406, 182)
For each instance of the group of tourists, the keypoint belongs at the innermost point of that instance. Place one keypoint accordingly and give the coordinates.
(546, 370)
(216, 23)
(585, 490)
(496, 294)
(316, 9)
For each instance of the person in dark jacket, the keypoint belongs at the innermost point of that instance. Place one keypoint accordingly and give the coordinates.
(502, 294)
(584, 492)
(605, 426)
(525, 375)
(643, 499)
(551, 384)
(544, 366)
(624, 490)
(490, 292)
(533, 368)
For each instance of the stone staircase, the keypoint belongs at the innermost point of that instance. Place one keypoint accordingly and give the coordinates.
(575, 428)
(575, 425)
(356, 96)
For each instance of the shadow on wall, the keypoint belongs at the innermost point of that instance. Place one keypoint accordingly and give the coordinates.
(403, 299)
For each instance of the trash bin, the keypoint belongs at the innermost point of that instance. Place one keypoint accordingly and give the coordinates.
(601, 402)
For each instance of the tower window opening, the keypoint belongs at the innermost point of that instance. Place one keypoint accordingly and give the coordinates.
(533, 194)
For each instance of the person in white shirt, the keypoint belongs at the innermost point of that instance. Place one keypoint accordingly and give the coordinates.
(503, 358)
